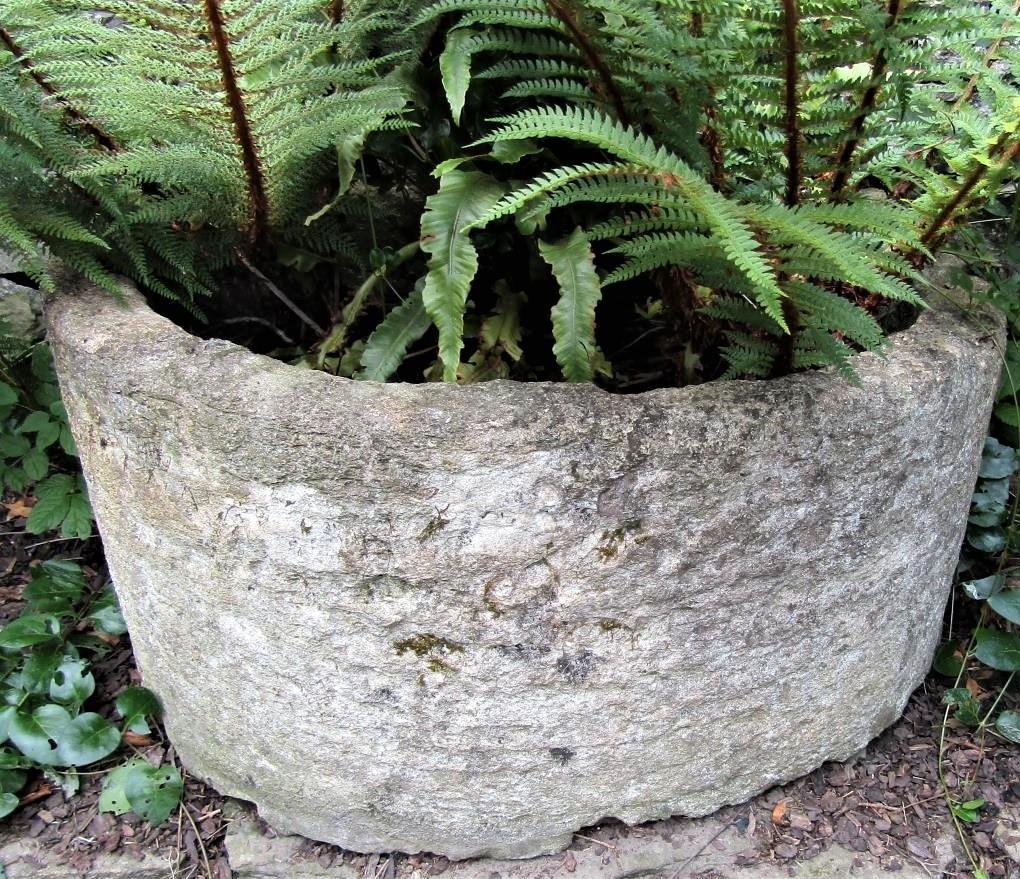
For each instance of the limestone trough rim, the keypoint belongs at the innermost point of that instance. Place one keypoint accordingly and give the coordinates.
(910, 347)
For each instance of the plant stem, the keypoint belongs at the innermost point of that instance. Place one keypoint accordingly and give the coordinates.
(337, 336)
(950, 802)
(1003, 151)
(791, 19)
(76, 116)
(592, 57)
(242, 128)
(878, 66)
(709, 134)
(990, 55)
(279, 294)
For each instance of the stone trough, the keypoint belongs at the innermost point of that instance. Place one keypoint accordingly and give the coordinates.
(472, 620)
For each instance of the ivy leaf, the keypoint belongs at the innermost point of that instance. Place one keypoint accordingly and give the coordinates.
(106, 615)
(6, 716)
(573, 317)
(55, 587)
(1008, 725)
(1007, 604)
(948, 660)
(968, 708)
(987, 540)
(78, 520)
(8, 803)
(38, 734)
(388, 344)
(154, 794)
(455, 69)
(72, 682)
(29, 630)
(985, 587)
(12, 780)
(86, 739)
(151, 792)
(997, 460)
(35, 421)
(998, 650)
(8, 395)
(47, 435)
(134, 705)
(39, 668)
(462, 198)
(14, 445)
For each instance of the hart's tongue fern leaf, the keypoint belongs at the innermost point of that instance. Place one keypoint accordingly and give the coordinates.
(769, 169)
(745, 139)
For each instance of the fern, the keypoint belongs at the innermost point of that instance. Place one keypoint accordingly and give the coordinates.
(388, 344)
(184, 131)
(573, 317)
(794, 107)
(761, 170)
(462, 197)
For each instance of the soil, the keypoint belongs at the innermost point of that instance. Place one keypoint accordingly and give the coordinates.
(886, 802)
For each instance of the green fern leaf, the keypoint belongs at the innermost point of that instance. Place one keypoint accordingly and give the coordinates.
(455, 68)
(463, 197)
(573, 317)
(388, 344)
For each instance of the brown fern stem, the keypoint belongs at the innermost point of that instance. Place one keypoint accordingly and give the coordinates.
(878, 66)
(709, 135)
(1003, 152)
(791, 18)
(336, 11)
(990, 55)
(75, 115)
(258, 230)
(592, 57)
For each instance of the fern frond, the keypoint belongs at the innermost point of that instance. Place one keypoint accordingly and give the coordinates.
(389, 342)
(462, 197)
(573, 317)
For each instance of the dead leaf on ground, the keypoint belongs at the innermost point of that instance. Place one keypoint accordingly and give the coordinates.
(19, 508)
(778, 812)
(39, 793)
(136, 740)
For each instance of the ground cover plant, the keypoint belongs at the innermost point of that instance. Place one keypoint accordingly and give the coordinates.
(732, 190)
(61, 622)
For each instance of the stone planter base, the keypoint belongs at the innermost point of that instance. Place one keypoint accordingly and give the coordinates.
(474, 619)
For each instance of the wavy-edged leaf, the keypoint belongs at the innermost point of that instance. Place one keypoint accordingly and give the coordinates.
(573, 317)
(455, 68)
(463, 196)
(388, 344)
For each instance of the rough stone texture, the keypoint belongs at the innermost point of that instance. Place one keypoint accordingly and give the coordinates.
(26, 859)
(474, 619)
(704, 848)
(21, 308)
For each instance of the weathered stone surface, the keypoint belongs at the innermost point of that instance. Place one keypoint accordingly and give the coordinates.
(474, 619)
(21, 309)
(706, 847)
(27, 859)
